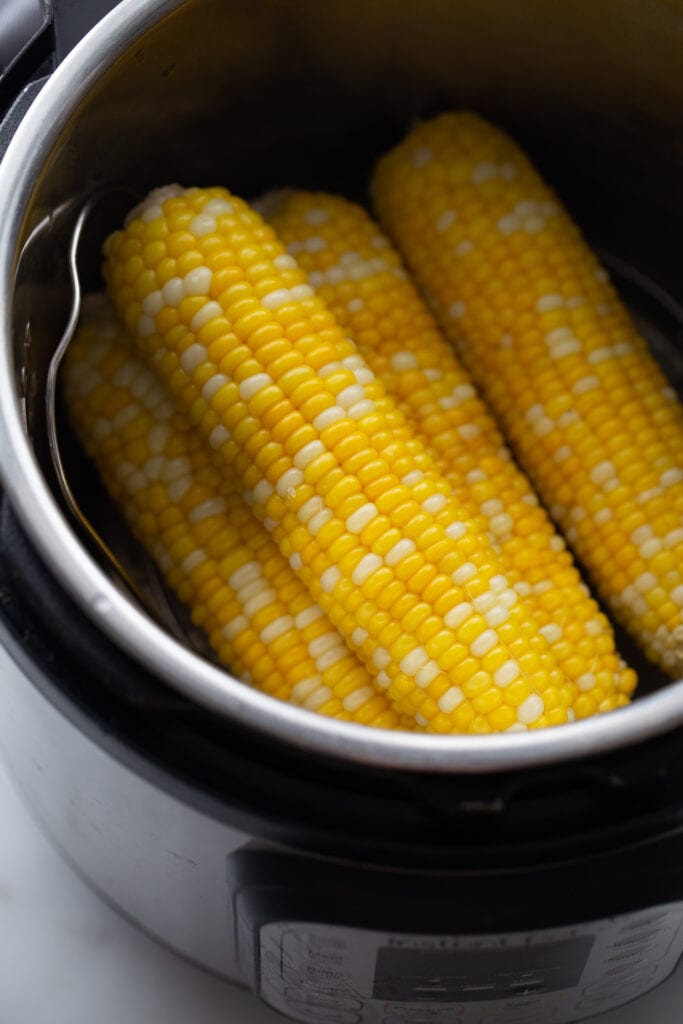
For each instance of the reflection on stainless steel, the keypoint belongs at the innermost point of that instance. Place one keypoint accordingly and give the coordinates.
(155, 603)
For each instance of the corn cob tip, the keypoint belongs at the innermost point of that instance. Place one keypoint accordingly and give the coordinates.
(151, 205)
(270, 203)
(467, 124)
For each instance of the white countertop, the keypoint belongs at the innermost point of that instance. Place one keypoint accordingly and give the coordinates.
(67, 958)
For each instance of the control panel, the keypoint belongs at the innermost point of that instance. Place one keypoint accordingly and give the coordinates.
(326, 974)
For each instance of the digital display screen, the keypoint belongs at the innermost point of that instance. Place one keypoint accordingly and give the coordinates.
(436, 975)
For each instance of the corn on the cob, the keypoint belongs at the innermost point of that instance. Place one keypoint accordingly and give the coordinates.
(543, 333)
(260, 365)
(258, 616)
(358, 274)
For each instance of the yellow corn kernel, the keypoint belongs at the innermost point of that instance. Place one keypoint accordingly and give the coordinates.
(341, 248)
(372, 451)
(258, 616)
(586, 408)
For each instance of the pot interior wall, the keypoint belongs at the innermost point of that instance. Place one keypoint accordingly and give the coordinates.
(268, 92)
(261, 93)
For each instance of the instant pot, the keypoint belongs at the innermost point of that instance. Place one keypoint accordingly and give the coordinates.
(346, 875)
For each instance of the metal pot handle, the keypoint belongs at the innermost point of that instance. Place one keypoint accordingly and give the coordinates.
(25, 45)
(35, 36)
(21, 22)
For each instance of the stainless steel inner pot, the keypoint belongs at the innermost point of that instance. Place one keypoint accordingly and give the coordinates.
(261, 93)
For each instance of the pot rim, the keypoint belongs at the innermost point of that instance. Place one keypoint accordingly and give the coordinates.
(111, 612)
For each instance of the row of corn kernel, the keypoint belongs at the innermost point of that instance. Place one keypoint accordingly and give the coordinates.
(358, 274)
(258, 617)
(543, 333)
(171, 369)
(253, 355)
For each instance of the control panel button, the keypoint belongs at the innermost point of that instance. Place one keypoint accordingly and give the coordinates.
(328, 988)
(298, 972)
(638, 975)
(312, 998)
(631, 956)
(648, 940)
(625, 970)
(638, 972)
(636, 939)
(613, 996)
(658, 920)
(526, 988)
(323, 958)
(331, 987)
